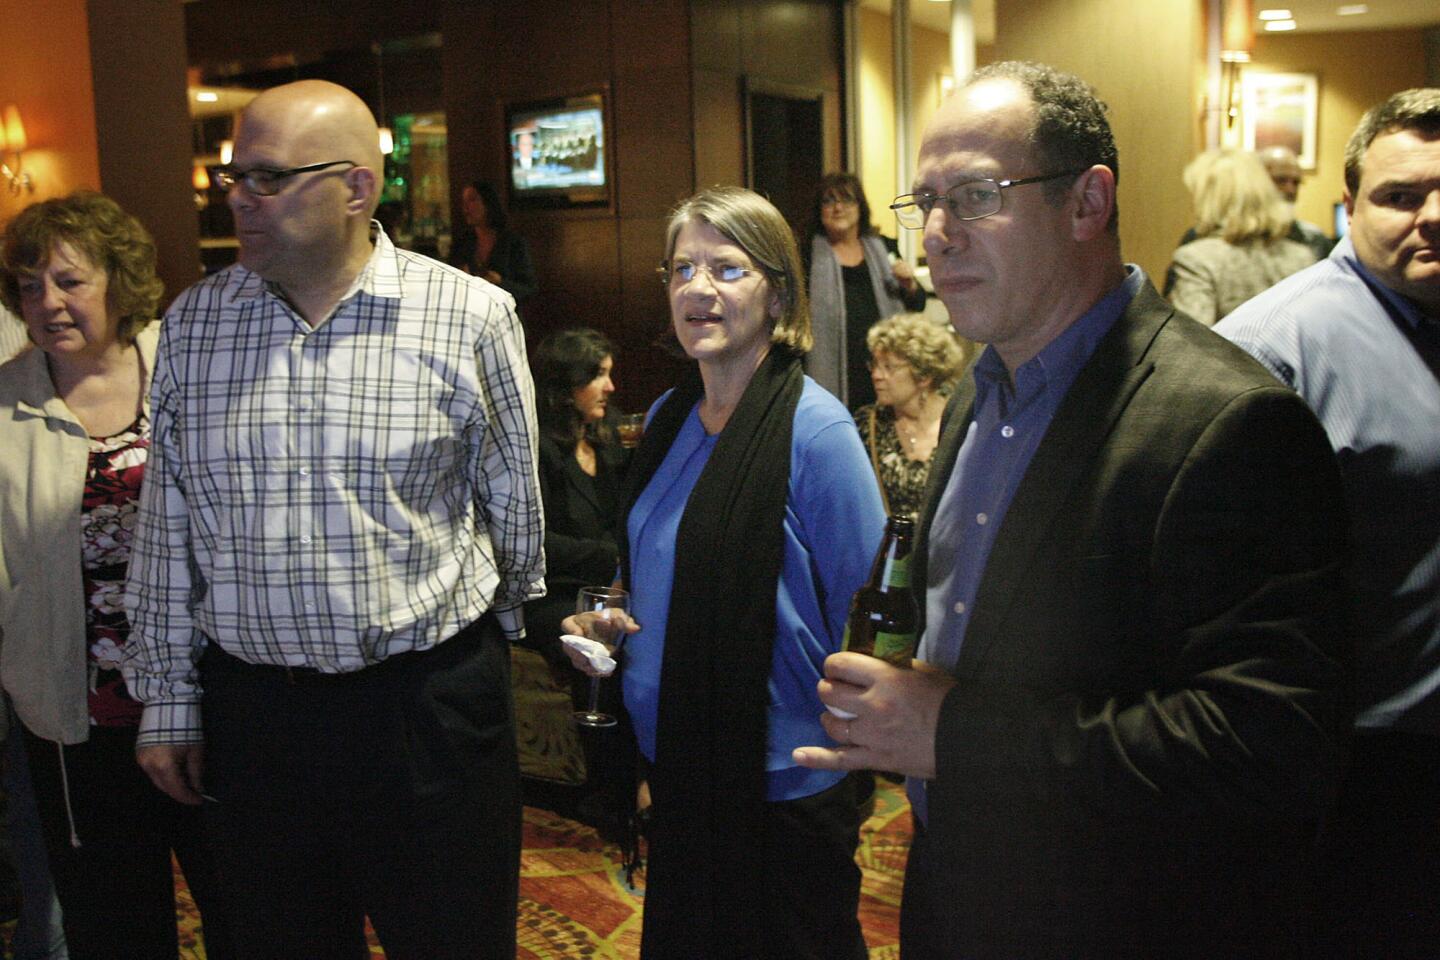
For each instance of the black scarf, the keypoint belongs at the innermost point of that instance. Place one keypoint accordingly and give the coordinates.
(708, 779)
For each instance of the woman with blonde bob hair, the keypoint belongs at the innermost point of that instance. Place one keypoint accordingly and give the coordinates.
(750, 519)
(1242, 226)
(914, 362)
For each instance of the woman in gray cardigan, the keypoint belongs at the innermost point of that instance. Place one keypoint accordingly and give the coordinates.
(856, 279)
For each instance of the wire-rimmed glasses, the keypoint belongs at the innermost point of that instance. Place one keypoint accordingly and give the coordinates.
(969, 200)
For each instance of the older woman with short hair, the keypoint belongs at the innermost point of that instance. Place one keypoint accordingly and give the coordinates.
(913, 364)
(74, 424)
(750, 522)
(1242, 226)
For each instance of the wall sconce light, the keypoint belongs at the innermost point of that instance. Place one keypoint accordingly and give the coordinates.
(13, 140)
(227, 151)
(200, 180)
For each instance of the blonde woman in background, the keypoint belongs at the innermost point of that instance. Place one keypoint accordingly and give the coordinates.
(913, 364)
(1243, 249)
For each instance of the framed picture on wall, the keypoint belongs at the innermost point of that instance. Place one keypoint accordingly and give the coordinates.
(1278, 110)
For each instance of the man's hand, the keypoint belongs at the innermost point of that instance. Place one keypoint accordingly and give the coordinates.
(896, 712)
(175, 768)
(904, 275)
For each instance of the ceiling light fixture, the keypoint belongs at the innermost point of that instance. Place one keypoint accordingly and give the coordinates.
(1277, 26)
(1351, 10)
(1276, 13)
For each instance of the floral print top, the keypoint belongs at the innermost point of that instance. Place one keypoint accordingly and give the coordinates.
(107, 529)
(902, 480)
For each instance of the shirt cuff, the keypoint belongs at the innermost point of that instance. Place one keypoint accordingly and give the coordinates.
(512, 621)
(170, 723)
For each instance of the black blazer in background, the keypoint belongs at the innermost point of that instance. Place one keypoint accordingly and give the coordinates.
(580, 545)
(1147, 720)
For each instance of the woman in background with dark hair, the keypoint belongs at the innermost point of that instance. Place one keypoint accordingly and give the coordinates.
(489, 249)
(580, 469)
(856, 278)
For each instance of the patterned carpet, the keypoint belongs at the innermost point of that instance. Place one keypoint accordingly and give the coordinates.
(574, 901)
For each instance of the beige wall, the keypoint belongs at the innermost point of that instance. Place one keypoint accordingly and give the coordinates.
(929, 58)
(1145, 65)
(1356, 70)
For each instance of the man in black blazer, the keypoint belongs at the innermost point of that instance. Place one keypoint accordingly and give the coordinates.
(1125, 728)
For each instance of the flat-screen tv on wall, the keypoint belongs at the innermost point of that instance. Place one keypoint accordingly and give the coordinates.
(557, 151)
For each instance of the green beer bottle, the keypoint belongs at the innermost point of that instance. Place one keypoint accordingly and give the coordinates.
(883, 617)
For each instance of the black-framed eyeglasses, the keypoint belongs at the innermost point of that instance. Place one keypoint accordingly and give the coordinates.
(266, 181)
(683, 271)
(970, 200)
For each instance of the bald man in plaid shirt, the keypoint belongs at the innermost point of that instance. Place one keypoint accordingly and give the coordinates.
(340, 522)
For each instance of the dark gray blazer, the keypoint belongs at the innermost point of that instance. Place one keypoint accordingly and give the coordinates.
(1146, 725)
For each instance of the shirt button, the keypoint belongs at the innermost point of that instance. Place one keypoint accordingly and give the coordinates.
(1007, 431)
(305, 538)
(982, 518)
(959, 606)
(304, 471)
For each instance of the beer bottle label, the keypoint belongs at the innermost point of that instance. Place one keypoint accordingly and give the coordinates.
(896, 648)
(897, 572)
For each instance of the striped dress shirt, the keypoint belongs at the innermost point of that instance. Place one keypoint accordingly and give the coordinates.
(1365, 359)
(328, 497)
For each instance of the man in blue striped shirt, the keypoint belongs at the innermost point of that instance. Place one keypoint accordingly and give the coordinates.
(1358, 336)
(339, 524)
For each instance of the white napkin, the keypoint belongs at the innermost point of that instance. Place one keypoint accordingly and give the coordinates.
(593, 650)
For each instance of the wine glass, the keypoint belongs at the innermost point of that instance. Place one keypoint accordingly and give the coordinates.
(609, 630)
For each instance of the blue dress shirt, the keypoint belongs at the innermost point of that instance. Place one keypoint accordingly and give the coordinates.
(1367, 361)
(1009, 421)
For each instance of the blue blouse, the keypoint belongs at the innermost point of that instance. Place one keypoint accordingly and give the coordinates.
(833, 524)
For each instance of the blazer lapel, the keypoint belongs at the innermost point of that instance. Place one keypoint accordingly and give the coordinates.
(1071, 447)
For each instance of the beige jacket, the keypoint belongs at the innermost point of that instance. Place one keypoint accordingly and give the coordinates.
(43, 458)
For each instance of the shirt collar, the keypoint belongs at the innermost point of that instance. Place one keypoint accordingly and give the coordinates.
(380, 277)
(1059, 363)
(1344, 252)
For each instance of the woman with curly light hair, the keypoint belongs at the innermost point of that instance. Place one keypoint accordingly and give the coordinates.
(75, 427)
(1243, 248)
(913, 364)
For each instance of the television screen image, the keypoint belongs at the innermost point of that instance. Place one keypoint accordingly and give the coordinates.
(557, 150)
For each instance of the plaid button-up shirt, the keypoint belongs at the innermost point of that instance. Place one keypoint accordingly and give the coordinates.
(327, 497)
